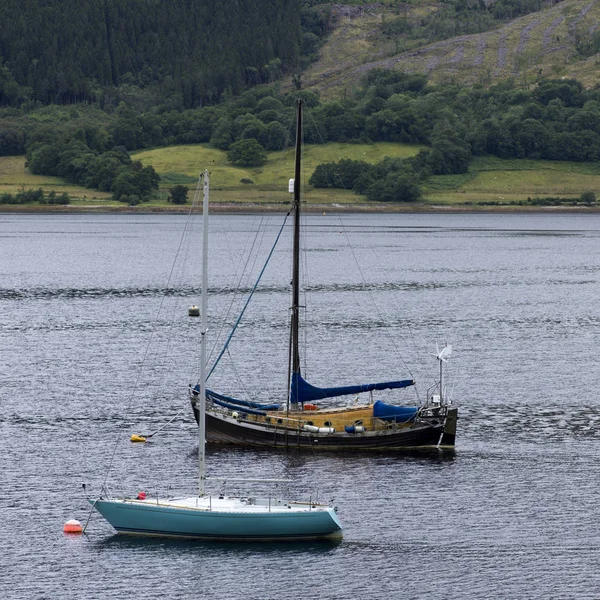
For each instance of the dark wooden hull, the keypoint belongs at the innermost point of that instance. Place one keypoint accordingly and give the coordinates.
(426, 434)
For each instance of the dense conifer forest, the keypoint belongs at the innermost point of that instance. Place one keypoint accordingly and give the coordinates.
(186, 52)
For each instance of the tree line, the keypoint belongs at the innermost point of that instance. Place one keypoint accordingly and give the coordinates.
(556, 120)
(39, 196)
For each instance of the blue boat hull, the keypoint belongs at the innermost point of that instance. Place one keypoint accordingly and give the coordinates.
(158, 520)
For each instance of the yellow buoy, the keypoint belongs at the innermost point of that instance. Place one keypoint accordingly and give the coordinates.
(73, 526)
(138, 438)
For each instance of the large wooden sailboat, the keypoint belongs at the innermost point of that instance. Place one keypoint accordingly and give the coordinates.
(308, 417)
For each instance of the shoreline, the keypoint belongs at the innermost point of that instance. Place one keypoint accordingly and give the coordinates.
(230, 208)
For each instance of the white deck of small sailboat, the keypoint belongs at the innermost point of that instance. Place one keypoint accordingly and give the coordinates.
(229, 504)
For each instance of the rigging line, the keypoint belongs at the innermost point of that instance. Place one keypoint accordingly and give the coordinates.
(178, 278)
(304, 263)
(358, 264)
(137, 380)
(322, 140)
(237, 375)
(185, 408)
(174, 312)
(248, 255)
(262, 229)
(371, 297)
(283, 144)
(249, 297)
(178, 269)
(303, 309)
(163, 299)
(224, 317)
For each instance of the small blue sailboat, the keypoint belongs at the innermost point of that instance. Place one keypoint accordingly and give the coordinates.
(220, 517)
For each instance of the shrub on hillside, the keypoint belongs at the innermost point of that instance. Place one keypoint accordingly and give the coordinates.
(178, 194)
(247, 153)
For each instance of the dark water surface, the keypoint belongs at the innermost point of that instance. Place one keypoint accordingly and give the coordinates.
(93, 349)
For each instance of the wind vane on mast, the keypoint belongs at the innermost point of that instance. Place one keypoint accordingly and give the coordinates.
(442, 356)
(445, 353)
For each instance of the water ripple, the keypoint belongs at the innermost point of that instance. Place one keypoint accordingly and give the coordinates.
(512, 513)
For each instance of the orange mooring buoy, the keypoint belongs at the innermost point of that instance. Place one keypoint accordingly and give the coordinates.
(138, 438)
(73, 526)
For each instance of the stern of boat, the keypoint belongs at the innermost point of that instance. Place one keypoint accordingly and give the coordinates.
(449, 435)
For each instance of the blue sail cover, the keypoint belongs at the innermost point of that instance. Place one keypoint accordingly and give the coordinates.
(391, 412)
(302, 391)
(214, 396)
(235, 404)
(236, 407)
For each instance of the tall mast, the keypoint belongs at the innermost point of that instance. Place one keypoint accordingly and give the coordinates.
(203, 326)
(296, 254)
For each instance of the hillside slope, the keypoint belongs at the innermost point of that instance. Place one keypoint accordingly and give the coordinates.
(550, 43)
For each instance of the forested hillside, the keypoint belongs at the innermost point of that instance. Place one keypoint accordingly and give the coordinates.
(85, 84)
(183, 52)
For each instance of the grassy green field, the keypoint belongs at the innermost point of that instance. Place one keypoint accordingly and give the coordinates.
(14, 175)
(492, 179)
(182, 164)
(489, 181)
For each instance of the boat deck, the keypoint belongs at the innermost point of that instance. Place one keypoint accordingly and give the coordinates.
(336, 417)
(228, 504)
